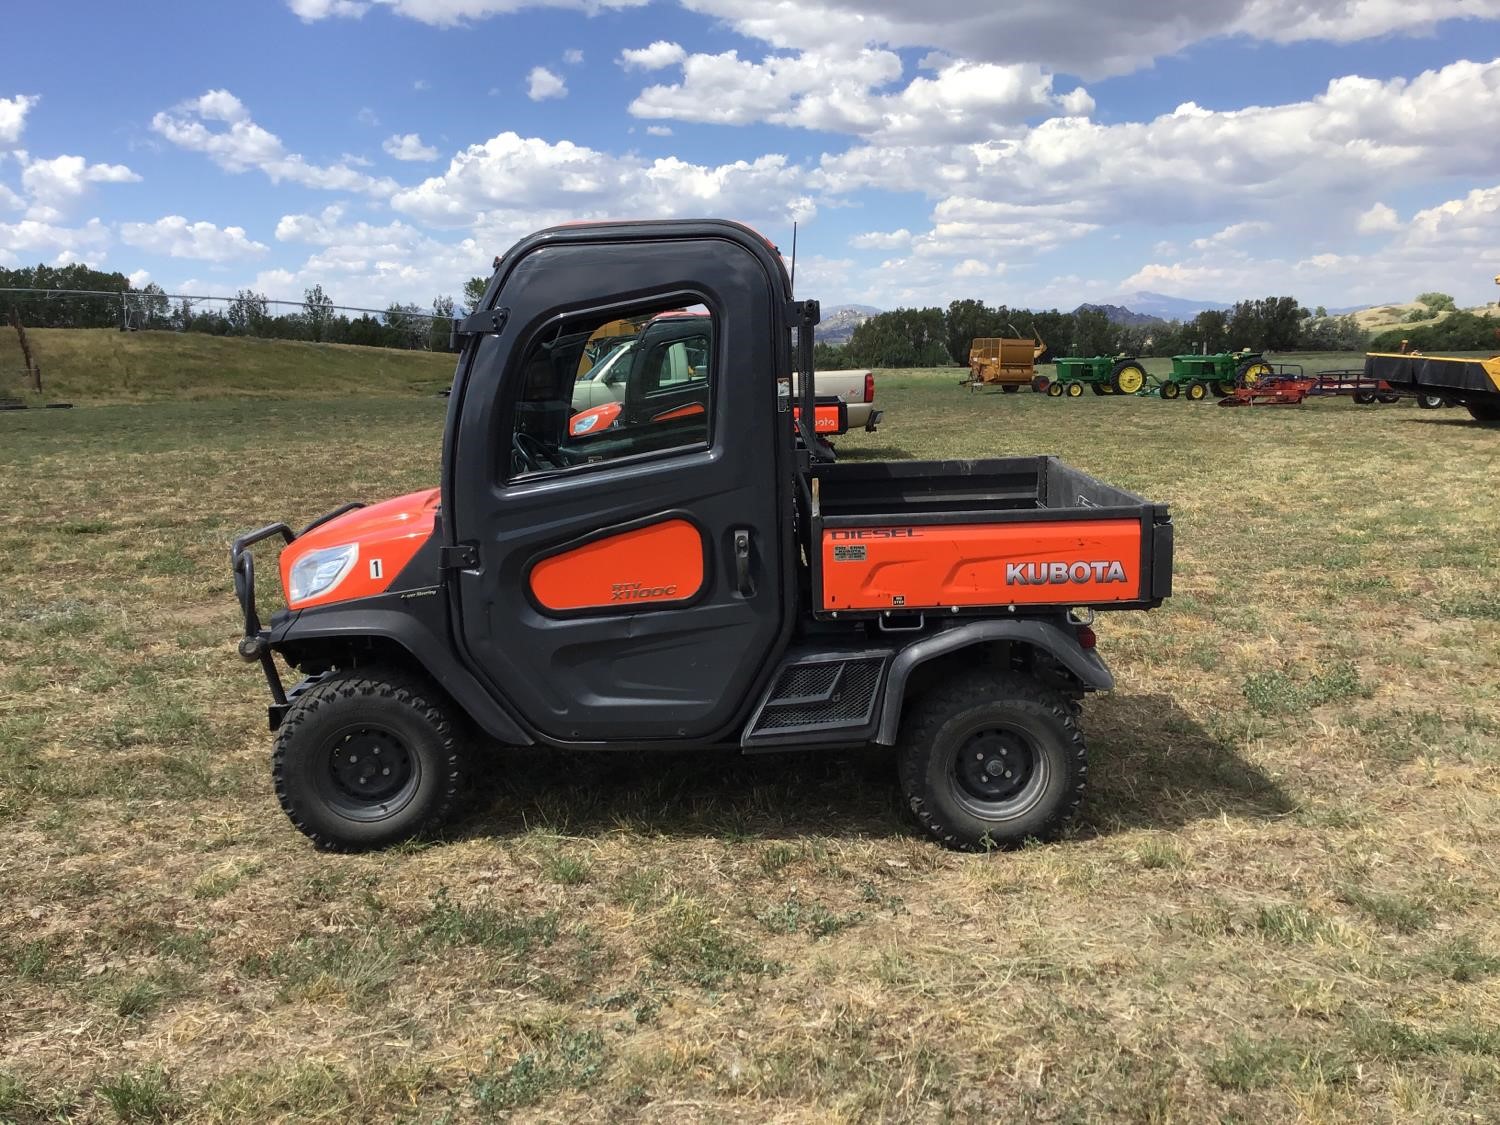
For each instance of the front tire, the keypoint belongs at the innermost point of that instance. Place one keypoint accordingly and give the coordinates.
(1170, 390)
(1430, 402)
(1075, 390)
(368, 758)
(1197, 392)
(992, 761)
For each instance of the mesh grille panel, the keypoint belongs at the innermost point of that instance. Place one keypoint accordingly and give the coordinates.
(829, 694)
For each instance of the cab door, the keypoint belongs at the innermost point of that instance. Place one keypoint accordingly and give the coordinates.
(635, 589)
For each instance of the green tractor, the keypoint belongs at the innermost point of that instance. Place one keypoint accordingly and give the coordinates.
(1103, 374)
(1195, 376)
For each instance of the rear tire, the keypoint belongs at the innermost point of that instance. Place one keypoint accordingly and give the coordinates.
(1222, 390)
(1389, 400)
(1170, 390)
(1364, 398)
(369, 757)
(992, 761)
(1429, 402)
(1040, 384)
(1127, 378)
(1011, 388)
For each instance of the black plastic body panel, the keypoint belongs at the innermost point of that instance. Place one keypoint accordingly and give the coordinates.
(417, 621)
(1085, 664)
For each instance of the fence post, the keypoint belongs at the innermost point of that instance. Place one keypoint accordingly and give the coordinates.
(33, 372)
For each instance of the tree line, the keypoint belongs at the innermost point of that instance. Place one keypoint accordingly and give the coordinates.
(933, 337)
(110, 300)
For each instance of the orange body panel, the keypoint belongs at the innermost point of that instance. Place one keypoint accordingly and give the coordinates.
(655, 565)
(388, 534)
(825, 418)
(1073, 562)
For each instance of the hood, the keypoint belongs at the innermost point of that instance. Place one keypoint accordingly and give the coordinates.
(388, 535)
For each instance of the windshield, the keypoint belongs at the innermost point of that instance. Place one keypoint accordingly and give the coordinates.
(614, 367)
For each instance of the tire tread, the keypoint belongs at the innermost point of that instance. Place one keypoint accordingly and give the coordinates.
(927, 715)
(410, 690)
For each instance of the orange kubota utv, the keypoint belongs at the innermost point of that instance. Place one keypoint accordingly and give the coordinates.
(694, 572)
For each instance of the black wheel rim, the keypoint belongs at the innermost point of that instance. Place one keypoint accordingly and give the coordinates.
(998, 773)
(367, 773)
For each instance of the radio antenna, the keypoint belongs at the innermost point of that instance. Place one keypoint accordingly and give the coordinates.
(794, 258)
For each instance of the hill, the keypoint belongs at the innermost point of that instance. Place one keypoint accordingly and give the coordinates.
(1118, 314)
(106, 365)
(840, 322)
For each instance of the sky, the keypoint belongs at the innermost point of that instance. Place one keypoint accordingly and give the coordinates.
(1036, 153)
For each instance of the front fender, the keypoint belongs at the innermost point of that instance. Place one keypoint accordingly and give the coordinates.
(1057, 642)
(422, 634)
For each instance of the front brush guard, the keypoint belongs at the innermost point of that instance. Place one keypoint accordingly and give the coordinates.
(255, 645)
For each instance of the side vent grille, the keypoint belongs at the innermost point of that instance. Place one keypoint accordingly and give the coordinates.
(820, 696)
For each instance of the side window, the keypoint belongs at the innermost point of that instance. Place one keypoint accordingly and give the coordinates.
(600, 388)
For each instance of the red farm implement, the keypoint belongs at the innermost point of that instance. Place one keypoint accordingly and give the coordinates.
(1286, 385)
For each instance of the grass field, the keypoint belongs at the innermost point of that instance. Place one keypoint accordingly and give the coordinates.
(103, 365)
(1279, 903)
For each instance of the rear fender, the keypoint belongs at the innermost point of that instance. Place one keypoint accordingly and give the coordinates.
(1084, 664)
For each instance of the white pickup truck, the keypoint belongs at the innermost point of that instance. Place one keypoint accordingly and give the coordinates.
(685, 338)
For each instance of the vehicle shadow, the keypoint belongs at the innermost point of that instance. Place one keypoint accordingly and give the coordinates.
(1151, 766)
(1462, 420)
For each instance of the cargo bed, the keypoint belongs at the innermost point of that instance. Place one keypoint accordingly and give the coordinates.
(915, 537)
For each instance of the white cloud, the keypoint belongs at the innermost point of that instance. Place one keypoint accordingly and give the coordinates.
(54, 185)
(139, 278)
(311, 10)
(1230, 235)
(409, 146)
(655, 57)
(175, 237)
(445, 13)
(510, 182)
(419, 85)
(542, 84)
(572, 56)
(372, 265)
(882, 240)
(839, 90)
(1421, 255)
(658, 130)
(1089, 38)
(1377, 219)
(30, 237)
(1297, 162)
(9, 200)
(245, 145)
(13, 113)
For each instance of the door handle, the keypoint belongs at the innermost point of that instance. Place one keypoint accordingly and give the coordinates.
(742, 562)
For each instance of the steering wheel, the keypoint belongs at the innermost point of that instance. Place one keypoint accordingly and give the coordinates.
(528, 454)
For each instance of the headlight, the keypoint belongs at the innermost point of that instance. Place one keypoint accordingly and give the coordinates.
(317, 572)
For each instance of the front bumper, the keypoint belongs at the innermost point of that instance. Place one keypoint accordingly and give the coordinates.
(255, 646)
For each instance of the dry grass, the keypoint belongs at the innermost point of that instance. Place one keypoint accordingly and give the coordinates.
(1279, 904)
